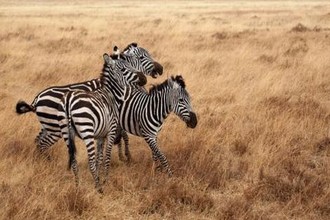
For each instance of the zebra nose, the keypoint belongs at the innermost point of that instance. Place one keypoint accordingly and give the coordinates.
(158, 70)
(142, 79)
(192, 123)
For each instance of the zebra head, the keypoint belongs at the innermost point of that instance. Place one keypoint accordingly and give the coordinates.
(118, 75)
(144, 62)
(126, 72)
(181, 102)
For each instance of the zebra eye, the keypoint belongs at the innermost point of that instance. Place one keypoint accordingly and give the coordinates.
(180, 99)
(141, 57)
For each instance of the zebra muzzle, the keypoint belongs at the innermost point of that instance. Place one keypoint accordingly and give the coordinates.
(157, 71)
(142, 79)
(192, 123)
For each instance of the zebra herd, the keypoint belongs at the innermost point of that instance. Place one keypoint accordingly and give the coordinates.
(104, 109)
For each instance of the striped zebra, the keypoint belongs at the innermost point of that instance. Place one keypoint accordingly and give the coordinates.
(143, 114)
(95, 115)
(45, 104)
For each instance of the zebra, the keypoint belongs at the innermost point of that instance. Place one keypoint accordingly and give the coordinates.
(95, 115)
(46, 103)
(143, 114)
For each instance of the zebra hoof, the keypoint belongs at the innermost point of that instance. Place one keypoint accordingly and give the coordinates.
(121, 158)
(100, 190)
(128, 156)
(104, 182)
(129, 162)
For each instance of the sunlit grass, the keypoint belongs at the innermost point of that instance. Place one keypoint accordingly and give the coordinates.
(259, 83)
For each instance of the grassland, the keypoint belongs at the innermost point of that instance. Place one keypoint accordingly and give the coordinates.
(259, 76)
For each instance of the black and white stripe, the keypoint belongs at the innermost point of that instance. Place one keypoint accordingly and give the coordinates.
(45, 104)
(95, 115)
(143, 114)
(148, 66)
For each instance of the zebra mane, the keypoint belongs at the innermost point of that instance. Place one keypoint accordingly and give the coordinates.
(115, 56)
(105, 69)
(158, 87)
(179, 79)
(131, 44)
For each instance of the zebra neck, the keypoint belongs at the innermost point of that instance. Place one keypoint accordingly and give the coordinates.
(161, 106)
(116, 90)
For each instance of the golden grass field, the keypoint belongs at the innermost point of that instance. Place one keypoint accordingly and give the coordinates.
(258, 73)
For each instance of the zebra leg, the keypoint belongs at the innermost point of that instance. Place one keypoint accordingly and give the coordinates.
(68, 135)
(118, 142)
(157, 166)
(72, 157)
(100, 143)
(110, 138)
(126, 140)
(157, 154)
(90, 145)
(120, 151)
(74, 167)
(45, 140)
(154, 164)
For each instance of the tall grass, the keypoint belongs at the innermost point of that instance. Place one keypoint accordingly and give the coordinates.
(258, 75)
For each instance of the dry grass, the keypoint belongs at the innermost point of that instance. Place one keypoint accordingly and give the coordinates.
(258, 73)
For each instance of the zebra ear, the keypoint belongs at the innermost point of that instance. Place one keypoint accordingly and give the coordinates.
(175, 85)
(108, 60)
(116, 51)
(170, 81)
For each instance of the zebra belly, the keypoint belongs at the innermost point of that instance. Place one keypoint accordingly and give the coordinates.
(130, 124)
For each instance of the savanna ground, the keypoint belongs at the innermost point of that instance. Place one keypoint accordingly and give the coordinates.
(259, 76)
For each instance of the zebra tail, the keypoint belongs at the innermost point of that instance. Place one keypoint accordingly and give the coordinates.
(72, 146)
(22, 107)
(70, 131)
